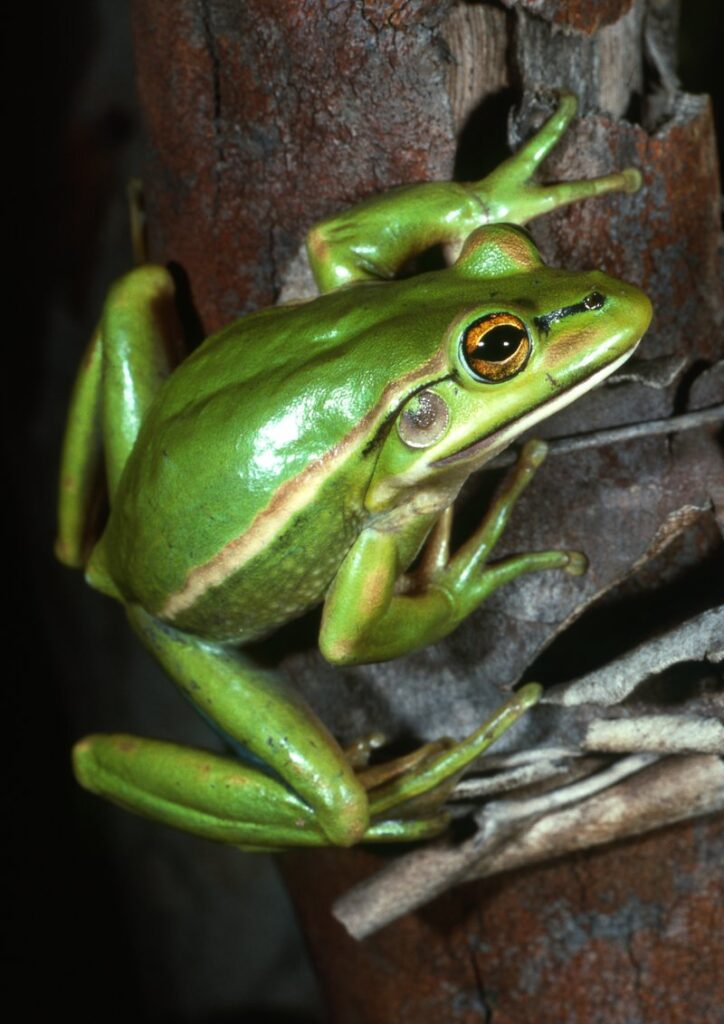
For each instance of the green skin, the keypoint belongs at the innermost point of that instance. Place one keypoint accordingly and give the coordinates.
(294, 459)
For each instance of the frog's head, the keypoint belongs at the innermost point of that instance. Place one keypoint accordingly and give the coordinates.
(530, 340)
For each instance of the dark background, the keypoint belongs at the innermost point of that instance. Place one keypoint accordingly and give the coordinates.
(221, 942)
(72, 140)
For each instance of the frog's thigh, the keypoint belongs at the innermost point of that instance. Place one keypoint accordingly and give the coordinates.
(142, 342)
(81, 458)
(136, 344)
(266, 716)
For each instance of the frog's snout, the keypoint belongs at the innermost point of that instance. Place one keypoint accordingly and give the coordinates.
(628, 310)
(638, 313)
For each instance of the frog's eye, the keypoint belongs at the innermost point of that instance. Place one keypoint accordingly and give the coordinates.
(424, 420)
(496, 347)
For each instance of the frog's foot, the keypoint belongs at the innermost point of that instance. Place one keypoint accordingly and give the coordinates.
(217, 797)
(508, 194)
(466, 578)
(427, 783)
(359, 752)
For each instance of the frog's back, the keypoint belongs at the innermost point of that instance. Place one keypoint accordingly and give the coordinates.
(246, 485)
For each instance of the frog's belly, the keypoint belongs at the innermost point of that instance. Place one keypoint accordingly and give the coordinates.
(289, 577)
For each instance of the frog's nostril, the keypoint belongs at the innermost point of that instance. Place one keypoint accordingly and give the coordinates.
(594, 301)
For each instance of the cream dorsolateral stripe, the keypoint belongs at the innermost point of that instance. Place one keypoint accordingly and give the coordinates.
(292, 497)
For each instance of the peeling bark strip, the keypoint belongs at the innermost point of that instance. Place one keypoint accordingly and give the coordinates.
(594, 803)
(577, 15)
(670, 791)
(597, 439)
(699, 639)
(663, 734)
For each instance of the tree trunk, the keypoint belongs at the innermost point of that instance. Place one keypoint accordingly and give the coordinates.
(260, 120)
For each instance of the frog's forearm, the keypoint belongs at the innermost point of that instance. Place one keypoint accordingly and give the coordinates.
(374, 239)
(371, 622)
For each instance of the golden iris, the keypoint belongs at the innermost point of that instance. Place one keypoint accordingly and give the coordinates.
(496, 347)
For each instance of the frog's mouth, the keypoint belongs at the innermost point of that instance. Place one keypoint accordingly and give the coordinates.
(488, 447)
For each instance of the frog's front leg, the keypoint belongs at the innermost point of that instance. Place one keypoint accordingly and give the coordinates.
(377, 237)
(374, 612)
(368, 618)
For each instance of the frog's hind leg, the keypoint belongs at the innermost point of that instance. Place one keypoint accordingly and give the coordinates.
(214, 796)
(135, 346)
(80, 459)
(302, 792)
(210, 795)
(305, 776)
(305, 792)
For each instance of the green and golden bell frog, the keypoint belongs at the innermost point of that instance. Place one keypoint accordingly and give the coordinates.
(312, 453)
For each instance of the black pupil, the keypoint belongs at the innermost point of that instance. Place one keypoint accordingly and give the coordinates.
(499, 343)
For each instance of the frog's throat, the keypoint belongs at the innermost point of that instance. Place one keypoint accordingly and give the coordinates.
(293, 496)
(488, 447)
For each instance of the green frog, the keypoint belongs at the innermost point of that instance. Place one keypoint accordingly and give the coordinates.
(312, 453)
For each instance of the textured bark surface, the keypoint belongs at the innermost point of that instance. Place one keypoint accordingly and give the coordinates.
(576, 15)
(629, 933)
(261, 120)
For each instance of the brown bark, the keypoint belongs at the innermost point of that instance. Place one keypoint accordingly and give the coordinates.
(625, 933)
(263, 118)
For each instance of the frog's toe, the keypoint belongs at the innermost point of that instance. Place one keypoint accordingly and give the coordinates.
(407, 830)
(358, 752)
(407, 764)
(577, 563)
